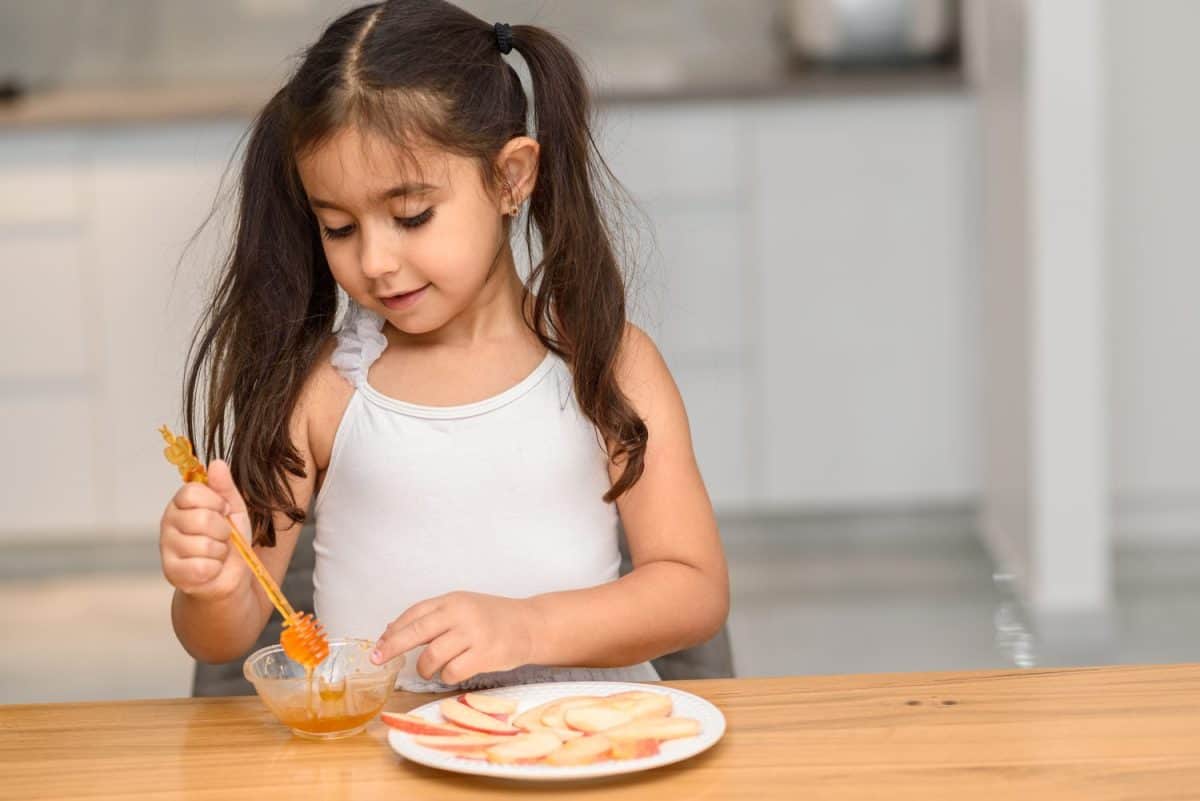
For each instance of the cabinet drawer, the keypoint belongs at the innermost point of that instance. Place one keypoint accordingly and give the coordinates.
(694, 287)
(678, 152)
(39, 179)
(716, 402)
(44, 322)
(51, 484)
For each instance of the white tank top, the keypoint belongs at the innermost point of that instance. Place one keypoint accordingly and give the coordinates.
(502, 496)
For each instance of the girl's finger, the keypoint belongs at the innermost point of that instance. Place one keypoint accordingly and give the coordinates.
(441, 651)
(460, 668)
(413, 613)
(401, 639)
(208, 523)
(190, 572)
(187, 547)
(198, 496)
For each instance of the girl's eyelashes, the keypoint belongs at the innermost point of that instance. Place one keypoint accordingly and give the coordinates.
(403, 222)
(336, 233)
(418, 220)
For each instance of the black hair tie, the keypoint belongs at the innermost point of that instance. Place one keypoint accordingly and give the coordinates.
(504, 38)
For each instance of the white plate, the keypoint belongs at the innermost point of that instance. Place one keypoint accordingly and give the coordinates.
(686, 705)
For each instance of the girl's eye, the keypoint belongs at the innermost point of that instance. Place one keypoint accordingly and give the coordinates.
(405, 222)
(336, 233)
(419, 220)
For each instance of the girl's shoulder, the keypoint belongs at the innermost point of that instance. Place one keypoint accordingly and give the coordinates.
(640, 369)
(322, 402)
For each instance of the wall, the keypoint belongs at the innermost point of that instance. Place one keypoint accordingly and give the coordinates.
(1154, 170)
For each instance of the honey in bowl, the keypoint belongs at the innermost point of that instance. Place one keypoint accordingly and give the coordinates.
(335, 699)
(345, 708)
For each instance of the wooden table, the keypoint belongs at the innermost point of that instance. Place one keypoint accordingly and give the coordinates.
(1095, 733)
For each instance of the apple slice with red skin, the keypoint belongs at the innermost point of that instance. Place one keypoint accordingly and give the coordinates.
(494, 705)
(583, 751)
(414, 724)
(462, 715)
(524, 749)
(462, 742)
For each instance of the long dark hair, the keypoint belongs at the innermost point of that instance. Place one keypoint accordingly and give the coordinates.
(404, 68)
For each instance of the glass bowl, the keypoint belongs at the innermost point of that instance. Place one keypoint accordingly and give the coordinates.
(345, 691)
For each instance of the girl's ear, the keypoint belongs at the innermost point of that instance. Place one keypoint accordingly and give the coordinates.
(518, 166)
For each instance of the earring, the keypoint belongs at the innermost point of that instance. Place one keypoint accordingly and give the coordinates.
(513, 211)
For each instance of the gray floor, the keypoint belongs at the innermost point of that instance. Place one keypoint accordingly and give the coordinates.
(813, 594)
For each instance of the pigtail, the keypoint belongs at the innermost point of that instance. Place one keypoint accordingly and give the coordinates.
(580, 303)
(260, 334)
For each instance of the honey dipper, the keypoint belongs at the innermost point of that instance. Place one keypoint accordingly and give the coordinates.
(302, 638)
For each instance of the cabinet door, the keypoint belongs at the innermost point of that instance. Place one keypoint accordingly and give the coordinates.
(39, 179)
(690, 283)
(50, 473)
(864, 218)
(715, 397)
(153, 188)
(47, 363)
(48, 311)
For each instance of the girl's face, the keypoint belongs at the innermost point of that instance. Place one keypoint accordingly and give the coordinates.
(415, 242)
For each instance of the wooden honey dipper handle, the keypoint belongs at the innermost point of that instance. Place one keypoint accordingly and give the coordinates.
(307, 643)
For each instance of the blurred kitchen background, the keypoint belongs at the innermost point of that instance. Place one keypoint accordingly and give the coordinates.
(925, 272)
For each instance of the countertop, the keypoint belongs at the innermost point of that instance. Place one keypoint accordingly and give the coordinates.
(1087, 733)
(96, 106)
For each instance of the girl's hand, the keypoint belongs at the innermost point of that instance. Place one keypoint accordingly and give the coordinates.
(197, 557)
(466, 633)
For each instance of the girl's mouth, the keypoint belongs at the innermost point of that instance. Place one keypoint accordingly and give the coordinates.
(404, 300)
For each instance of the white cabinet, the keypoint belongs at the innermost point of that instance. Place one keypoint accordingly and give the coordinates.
(48, 365)
(813, 285)
(99, 312)
(805, 266)
(50, 477)
(153, 188)
(685, 152)
(865, 220)
(681, 167)
(49, 305)
(39, 179)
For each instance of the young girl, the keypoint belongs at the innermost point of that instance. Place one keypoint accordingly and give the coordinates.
(474, 440)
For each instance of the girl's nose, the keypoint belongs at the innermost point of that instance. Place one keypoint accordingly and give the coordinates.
(378, 259)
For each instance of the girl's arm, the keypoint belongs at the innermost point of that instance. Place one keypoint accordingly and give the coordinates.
(220, 626)
(678, 593)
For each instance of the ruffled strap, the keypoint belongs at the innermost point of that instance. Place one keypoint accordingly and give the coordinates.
(360, 341)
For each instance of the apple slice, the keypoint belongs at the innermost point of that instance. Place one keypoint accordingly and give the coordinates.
(462, 742)
(460, 714)
(481, 755)
(583, 751)
(633, 749)
(524, 748)
(641, 704)
(654, 729)
(565, 734)
(531, 719)
(414, 724)
(630, 695)
(494, 705)
(592, 719)
(552, 716)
